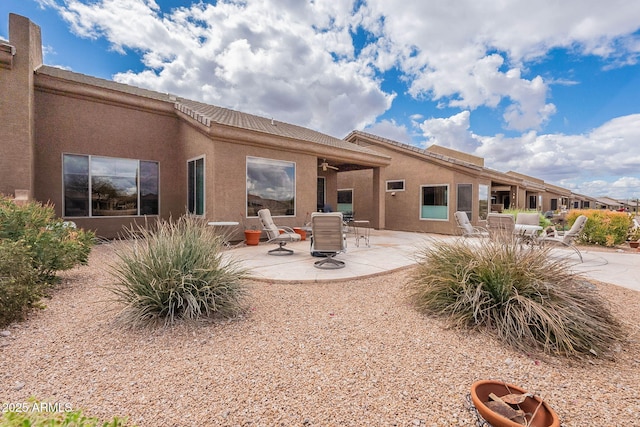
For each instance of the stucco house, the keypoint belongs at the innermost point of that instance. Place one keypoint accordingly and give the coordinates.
(424, 187)
(107, 155)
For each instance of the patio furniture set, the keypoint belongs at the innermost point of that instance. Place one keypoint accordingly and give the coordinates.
(525, 227)
(326, 230)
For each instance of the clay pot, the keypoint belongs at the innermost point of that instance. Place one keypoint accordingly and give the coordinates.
(480, 390)
(252, 237)
(301, 232)
(634, 244)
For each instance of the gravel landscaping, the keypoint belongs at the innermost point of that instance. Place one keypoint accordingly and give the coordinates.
(349, 353)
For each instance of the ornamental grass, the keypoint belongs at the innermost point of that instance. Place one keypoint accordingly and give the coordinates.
(525, 296)
(175, 272)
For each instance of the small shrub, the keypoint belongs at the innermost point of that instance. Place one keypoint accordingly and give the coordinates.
(603, 227)
(176, 272)
(523, 296)
(34, 245)
(53, 244)
(19, 285)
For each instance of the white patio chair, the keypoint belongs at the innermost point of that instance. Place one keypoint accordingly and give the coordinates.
(469, 230)
(274, 235)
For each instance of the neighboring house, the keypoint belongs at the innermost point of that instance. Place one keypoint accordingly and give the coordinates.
(108, 155)
(609, 204)
(424, 187)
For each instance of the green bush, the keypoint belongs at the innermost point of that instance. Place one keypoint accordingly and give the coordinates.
(175, 272)
(53, 244)
(39, 414)
(34, 245)
(603, 227)
(19, 284)
(521, 295)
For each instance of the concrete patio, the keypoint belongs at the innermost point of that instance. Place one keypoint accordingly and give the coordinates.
(392, 250)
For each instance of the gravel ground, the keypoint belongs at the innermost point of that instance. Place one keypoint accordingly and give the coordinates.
(351, 353)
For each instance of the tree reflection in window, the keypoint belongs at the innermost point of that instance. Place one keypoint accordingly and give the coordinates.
(111, 186)
(271, 184)
(114, 186)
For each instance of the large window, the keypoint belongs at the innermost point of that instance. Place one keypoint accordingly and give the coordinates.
(105, 186)
(195, 186)
(271, 184)
(465, 199)
(434, 203)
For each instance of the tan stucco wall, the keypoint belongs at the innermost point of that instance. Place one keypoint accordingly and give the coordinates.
(70, 125)
(225, 170)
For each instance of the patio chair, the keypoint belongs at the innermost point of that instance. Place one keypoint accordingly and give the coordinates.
(275, 235)
(527, 225)
(468, 230)
(500, 226)
(328, 239)
(565, 238)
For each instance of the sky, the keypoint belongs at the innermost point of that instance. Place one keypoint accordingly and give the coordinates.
(549, 88)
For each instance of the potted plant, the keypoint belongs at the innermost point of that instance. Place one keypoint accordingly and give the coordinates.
(251, 235)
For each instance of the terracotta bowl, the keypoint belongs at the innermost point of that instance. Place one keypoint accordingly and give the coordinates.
(480, 390)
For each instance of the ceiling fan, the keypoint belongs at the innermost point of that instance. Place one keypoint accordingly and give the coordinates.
(325, 165)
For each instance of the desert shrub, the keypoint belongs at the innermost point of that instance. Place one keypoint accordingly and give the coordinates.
(177, 271)
(521, 295)
(53, 244)
(34, 245)
(41, 414)
(19, 284)
(603, 227)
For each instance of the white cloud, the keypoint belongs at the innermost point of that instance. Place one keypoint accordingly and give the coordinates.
(391, 130)
(471, 53)
(290, 60)
(452, 132)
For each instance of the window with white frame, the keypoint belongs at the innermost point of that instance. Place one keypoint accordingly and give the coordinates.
(271, 184)
(195, 186)
(434, 202)
(395, 185)
(98, 186)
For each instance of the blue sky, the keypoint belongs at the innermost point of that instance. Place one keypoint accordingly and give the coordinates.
(549, 89)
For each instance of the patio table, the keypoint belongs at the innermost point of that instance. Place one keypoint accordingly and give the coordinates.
(227, 226)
